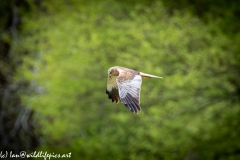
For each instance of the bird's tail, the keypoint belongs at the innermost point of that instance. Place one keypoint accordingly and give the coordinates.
(145, 75)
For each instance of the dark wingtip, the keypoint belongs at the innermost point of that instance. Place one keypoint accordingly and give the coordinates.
(133, 107)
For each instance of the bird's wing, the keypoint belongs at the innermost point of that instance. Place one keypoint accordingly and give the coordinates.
(129, 86)
(112, 89)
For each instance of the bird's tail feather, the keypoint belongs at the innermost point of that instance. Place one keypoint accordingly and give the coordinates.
(145, 75)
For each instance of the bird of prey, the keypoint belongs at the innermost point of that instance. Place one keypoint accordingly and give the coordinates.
(124, 85)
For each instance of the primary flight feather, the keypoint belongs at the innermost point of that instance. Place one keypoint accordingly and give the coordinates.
(124, 85)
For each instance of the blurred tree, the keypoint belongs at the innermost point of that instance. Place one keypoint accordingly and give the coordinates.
(16, 125)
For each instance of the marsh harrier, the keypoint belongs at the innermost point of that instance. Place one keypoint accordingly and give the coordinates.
(124, 85)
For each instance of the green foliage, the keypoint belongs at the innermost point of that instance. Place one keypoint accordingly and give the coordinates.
(193, 113)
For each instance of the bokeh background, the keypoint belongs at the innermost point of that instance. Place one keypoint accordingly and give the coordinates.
(53, 73)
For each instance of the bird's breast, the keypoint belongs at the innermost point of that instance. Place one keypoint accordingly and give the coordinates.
(112, 83)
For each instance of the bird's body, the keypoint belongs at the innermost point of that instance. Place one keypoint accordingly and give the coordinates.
(124, 85)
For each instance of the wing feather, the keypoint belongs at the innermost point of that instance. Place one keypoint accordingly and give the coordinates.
(129, 91)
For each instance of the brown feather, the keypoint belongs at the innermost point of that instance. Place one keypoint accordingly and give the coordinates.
(113, 95)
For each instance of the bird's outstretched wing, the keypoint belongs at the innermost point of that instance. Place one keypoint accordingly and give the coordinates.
(129, 86)
(112, 89)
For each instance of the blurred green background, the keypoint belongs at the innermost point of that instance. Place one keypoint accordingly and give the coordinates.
(53, 75)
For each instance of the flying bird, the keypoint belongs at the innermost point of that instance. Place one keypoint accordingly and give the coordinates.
(124, 85)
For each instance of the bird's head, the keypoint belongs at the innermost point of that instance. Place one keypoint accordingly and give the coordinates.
(113, 72)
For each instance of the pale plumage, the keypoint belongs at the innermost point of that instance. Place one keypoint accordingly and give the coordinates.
(125, 85)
